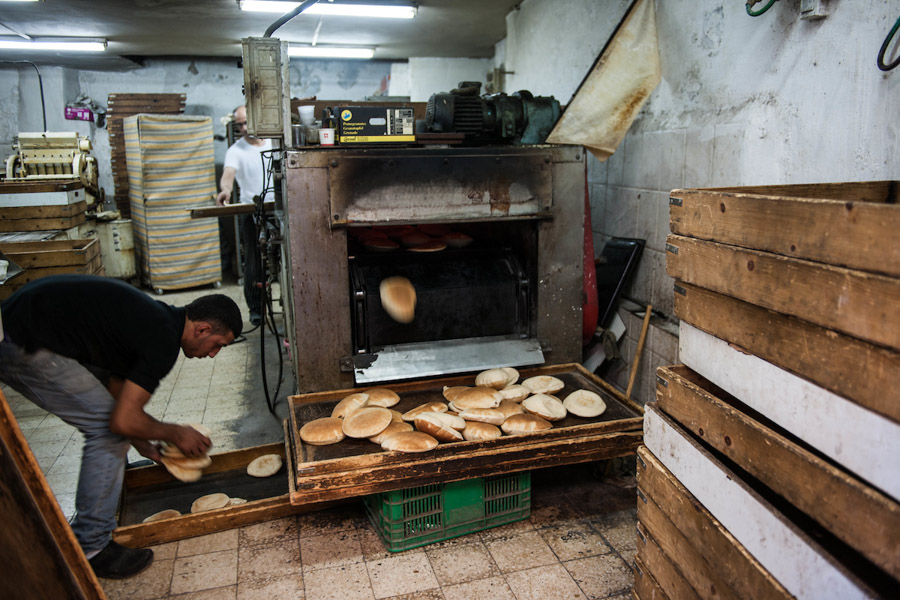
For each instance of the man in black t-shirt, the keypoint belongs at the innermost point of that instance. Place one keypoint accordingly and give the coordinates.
(63, 335)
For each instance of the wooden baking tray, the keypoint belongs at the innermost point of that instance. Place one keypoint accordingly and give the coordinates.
(359, 467)
(149, 490)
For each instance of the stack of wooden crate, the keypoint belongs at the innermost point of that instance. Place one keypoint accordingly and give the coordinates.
(771, 465)
(52, 257)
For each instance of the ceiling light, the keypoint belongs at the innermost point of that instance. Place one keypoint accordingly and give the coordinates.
(387, 11)
(330, 52)
(21, 0)
(56, 44)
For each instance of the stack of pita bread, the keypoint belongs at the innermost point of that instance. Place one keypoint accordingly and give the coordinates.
(183, 467)
(496, 405)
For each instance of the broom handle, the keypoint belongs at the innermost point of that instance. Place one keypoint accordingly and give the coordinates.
(638, 351)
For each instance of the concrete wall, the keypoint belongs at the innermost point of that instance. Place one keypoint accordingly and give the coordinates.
(743, 101)
(422, 77)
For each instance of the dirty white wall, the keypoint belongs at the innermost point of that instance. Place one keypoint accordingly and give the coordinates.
(425, 76)
(213, 88)
(743, 101)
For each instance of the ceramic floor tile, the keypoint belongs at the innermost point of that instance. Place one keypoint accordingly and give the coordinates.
(63, 483)
(192, 416)
(150, 584)
(434, 594)
(165, 551)
(66, 504)
(619, 528)
(601, 576)
(278, 559)
(65, 463)
(281, 588)
(349, 582)
(222, 593)
(494, 588)
(554, 514)
(330, 550)
(505, 531)
(204, 544)
(577, 540)
(204, 572)
(267, 532)
(541, 583)
(44, 450)
(461, 563)
(401, 574)
(371, 545)
(519, 552)
(329, 520)
(53, 433)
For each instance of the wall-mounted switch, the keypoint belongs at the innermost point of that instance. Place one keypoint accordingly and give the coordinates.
(813, 10)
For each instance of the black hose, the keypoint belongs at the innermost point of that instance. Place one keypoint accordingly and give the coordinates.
(288, 16)
(40, 84)
(884, 47)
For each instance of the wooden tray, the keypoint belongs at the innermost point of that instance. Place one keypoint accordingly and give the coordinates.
(359, 467)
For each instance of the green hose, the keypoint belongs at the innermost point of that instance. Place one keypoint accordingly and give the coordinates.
(750, 4)
(884, 47)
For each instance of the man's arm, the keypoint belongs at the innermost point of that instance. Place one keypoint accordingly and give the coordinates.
(129, 420)
(226, 184)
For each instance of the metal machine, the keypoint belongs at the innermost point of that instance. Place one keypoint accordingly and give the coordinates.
(55, 156)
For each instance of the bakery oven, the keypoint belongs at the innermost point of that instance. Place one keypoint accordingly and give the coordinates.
(490, 238)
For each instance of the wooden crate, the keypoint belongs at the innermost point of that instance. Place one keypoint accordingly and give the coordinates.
(51, 257)
(42, 218)
(359, 467)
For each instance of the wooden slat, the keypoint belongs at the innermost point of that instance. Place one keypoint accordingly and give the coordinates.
(665, 570)
(857, 303)
(852, 224)
(852, 368)
(44, 211)
(30, 187)
(717, 546)
(645, 586)
(229, 210)
(51, 224)
(858, 514)
(55, 253)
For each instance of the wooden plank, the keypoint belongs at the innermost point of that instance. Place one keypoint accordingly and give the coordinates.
(53, 253)
(37, 547)
(700, 575)
(41, 224)
(229, 210)
(802, 566)
(825, 421)
(36, 187)
(664, 569)
(716, 545)
(852, 225)
(645, 586)
(861, 304)
(845, 365)
(858, 514)
(45, 211)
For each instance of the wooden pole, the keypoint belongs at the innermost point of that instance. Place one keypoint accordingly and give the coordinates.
(638, 351)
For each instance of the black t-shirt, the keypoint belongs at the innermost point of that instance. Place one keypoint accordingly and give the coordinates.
(100, 322)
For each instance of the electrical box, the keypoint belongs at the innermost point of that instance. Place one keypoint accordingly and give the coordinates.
(374, 124)
(266, 87)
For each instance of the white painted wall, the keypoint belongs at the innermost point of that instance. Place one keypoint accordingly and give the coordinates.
(429, 76)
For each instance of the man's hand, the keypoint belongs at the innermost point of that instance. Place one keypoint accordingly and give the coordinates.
(222, 198)
(147, 449)
(190, 441)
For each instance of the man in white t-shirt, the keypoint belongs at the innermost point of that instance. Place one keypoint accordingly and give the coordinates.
(244, 163)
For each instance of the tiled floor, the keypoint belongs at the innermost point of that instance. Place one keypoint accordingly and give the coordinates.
(578, 542)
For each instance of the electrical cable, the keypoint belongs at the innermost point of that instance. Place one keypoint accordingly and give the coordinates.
(288, 16)
(750, 4)
(884, 47)
(40, 84)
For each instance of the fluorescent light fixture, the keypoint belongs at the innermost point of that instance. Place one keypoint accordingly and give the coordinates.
(386, 11)
(21, 0)
(330, 52)
(54, 44)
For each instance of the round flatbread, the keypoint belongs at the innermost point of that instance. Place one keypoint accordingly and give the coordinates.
(236, 501)
(199, 462)
(185, 474)
(476, 431)
(349, 404)
(510, 408)
(367, 422)
(584, 403)
(433, 245)
(382, 397)
(484, 415)
(409, 441)
(440, 426)
(265, 466)
(169, 513)
(545, 406)
(398, 298)
(452, 392)
(391, 429)
(515, 392)
(380, 244)
(457, 239)
(543, 384)
(511, 374)
(209, 502)
(324, 431)
(477, 397)
(524, 424)
(410, 415)
(492, 378)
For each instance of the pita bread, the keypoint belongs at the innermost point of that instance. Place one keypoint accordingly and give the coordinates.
(410, 415)
(201, 428)
(396, 416)
(200, 462)
(409, 441)
(398, 298)
(169, 513)
(546, 406)
(439, 426)
(434, 245)
(515, 392)
(510, 408)
(476, 431)
(452, 392)
(382, 397)
(484, 415)
(511, 374)
(524, 424)
(477, 397)
(380, 243)
(492, 378)
(349, 404)
(584, 403)
(391, 430)
(324, 431)
(236, 501)
(457, 240)
(367, 422)
(209, 502)
(185, 474)
(543, 384)
(414, 238)
(264, 466)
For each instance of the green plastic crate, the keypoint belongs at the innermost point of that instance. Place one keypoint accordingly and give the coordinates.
(426, 514)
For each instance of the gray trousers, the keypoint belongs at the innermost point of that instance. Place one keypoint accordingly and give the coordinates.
(65, 388)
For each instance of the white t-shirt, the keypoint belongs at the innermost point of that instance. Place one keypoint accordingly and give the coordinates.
(245, 158)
